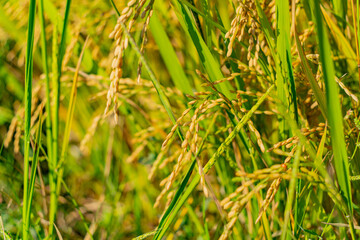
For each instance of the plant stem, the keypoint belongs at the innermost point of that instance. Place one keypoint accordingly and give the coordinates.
(28, 97)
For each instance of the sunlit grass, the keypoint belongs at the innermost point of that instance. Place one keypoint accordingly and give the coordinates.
(180, 119)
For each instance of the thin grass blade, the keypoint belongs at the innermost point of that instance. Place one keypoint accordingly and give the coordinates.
(34, 164)
(286, 80)
(210, 64)
(28, 97)
(69, 120)
(319, 94)
(342, 42)
(47, 78)
(334, 109)
(168, 54)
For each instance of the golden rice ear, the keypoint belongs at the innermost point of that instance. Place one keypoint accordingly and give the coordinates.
(127, 18)
(246, 18)
(274, 187)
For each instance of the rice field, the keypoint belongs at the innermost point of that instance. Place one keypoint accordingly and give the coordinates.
(179, 119)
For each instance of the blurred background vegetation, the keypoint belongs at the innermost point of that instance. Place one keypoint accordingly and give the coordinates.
(117, 166)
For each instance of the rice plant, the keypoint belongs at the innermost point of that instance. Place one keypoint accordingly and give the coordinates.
(179, 119)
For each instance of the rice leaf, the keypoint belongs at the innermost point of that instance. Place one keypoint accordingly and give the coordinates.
(35, 160)
(47, 79)
(286, 81)
(69, 120)
(333, 108)
(340, 8)
(210, 64)
(28, 98)
(341, 41)
(168, 54)
(319, 94)
(292, 186)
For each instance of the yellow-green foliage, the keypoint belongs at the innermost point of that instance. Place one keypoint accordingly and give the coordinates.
(179, 119)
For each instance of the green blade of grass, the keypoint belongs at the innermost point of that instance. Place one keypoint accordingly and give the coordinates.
(178, 203)
(286, 81)
(206, 17)
(266, 227)
(52, 13)
(55, 132)
(56, 95)
(28, 97)
(341, 41)
(210, 64)
(49, 132)
(47, 78)
(319, 95)
(69, 119)
(63, 35)
(71, 107)
(334, 111)
(145, 235)
(355, 17)
(168, 54)
(292, 186)
(207, 25)
(58, 53)
(340, 8)
(34, 164)
(278, 75)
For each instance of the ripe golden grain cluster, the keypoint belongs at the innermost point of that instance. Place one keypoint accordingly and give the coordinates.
(127, 19)
(208, 132)
(188, 148)
(236, 202)
(290, 142)
(245, 28)
(244, 18)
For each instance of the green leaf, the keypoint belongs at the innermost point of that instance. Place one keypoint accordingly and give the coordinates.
(286, 81)
(334, 111)
(319, 95)
(34, 164)
(211, 66)
(292, 185)
(169, 56)
(28, 97)
(341, 41)
(340, 8)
